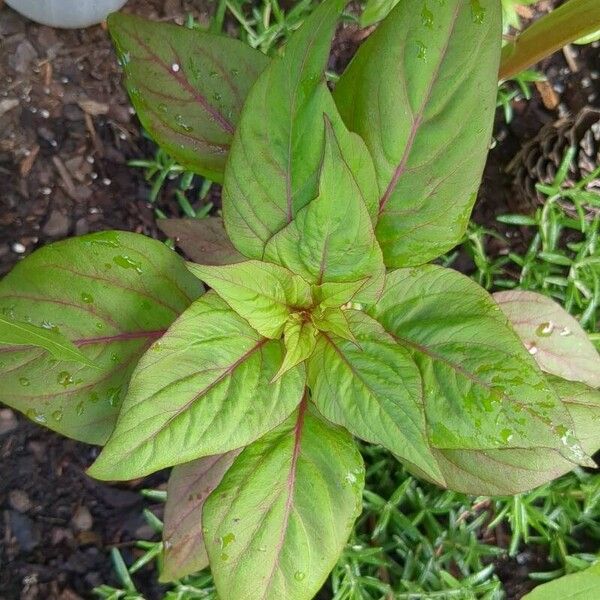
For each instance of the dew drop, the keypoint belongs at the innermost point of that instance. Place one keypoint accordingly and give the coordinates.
(65, 379)
(506, 435)
(427, 17)
(80, 408)
(24, 381)
(299, 575)
(217, 96)
(477, 12)
(532, 348)
(113, 396)
(565, 331)
(114, 357)
(421, 50)
(87, 298)
(99, 325)
(545, 329)
(94, 397)
(234, 72)
(163, 107)
(227, 539)
(57, 415)
(125, 262)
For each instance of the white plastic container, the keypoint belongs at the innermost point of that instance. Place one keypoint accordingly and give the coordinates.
(69, 14)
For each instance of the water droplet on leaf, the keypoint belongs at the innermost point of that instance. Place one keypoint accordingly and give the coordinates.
(65, 379)
(427, 17)
(87, 298)
(57, 415)
(24, 381)
(545, 329)
(299, 575)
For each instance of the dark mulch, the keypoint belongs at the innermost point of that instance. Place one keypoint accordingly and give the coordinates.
(66, 133)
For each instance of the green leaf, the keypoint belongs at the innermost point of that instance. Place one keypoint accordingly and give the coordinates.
(111, 295)
(188, 488)
(278, 145)
(300, 339)
(264, 294)
(202, 390)
(202, 240)
(334, 295)
(373, 389)
(421, 91)
(482, 389)
(511, 470)
(332, 239)
(333, 320)
(584, 585)
(187, 86)
(555, 339)
(17, 333)
(278, 521)
(377, 10)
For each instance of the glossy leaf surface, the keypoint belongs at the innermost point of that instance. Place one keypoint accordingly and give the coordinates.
(263, 293)
(555, 339)
(332, 239)
(267, 540)
(277, 148)
(203, 389)
(514, 470)
(111, 295)
(421, 91)
(373, 388)
(189, 486)
(18, 333)
(482, 389)
(202, 240)
(187, 86)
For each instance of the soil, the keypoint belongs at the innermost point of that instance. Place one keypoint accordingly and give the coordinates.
(66, 134)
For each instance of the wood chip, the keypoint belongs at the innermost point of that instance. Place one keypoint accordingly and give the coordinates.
(8, 104)
(571, 58)
(27, 163)
(550, 98)
(93, 108)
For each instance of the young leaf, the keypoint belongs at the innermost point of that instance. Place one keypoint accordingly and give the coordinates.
(278, 521)
(202, 240)
(187, 86)
(332, 239)
(511, 470)
(333, 320)
(262, 293)
(204, 389)
(188, 488)
(17, 333)
(373, 389)
(300, 339)
(482, 389)
(558, 343)
(421, 91)
(277, 147)
(110, 295)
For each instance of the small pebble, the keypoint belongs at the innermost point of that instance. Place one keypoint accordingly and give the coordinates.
(82, 519)
(19, 500)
